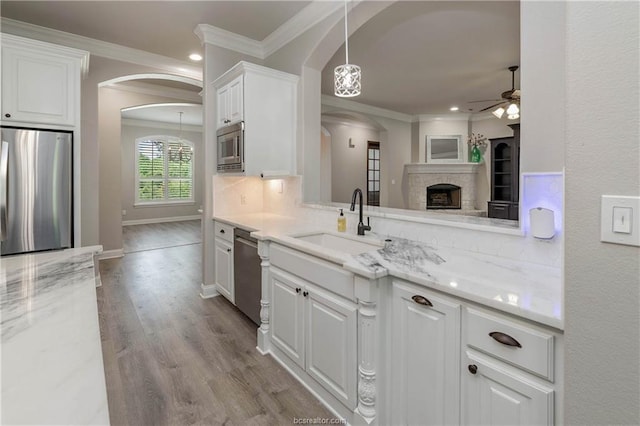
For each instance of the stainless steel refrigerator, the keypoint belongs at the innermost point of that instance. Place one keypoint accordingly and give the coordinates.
(36, 202)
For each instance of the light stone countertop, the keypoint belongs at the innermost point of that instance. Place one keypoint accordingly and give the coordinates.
(52, 368)
(528, 290)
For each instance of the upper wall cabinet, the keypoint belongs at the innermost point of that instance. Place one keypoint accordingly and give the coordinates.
(265, 99)
(41, 82)
(230, 102)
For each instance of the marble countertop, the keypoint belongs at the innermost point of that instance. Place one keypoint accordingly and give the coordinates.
(524, 289)
(52, 369)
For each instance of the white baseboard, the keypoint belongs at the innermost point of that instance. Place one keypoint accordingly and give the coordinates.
(208, 291)
(110, 254)
(160, 220)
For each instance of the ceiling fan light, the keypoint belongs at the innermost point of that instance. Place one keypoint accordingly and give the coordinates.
(513, 109)
(513, 116)
(499, 112)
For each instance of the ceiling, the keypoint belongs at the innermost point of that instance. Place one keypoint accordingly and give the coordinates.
(422, 57)
(166, 113)
(417, 57)
(162, 27)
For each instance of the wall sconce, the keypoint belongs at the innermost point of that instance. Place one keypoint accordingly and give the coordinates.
(351, 145)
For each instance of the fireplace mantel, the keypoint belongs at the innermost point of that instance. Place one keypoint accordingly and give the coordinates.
(462, 168)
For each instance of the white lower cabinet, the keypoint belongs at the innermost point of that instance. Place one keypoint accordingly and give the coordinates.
(499, 394)
(452, 362)
(223, 257)
(425, 368)
(224, 268)
(317, 330)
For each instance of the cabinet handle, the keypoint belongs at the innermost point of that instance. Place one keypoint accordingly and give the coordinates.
(421, 300)
(222, 231)
(228, 250)
(8, 115)
(473, 369)
(305, 293)
(505, 339)
(297, 289)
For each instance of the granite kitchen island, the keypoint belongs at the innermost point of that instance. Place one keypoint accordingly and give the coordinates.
(52, 370)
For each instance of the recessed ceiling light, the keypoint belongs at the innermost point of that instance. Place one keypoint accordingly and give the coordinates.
(195, 57)
(454, 108)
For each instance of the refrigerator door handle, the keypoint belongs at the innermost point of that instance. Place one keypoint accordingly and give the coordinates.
(4, 159)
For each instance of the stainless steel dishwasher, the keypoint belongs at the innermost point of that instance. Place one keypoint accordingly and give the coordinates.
(247, 271)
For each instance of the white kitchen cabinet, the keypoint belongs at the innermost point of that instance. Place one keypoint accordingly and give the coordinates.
(230, 102)
(41, 82)
(317, 330)
(223, 249)
(425, 357)
(499, 394)
(508, 370)
(265, 99)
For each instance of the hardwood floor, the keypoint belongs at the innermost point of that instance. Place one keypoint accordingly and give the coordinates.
(172, 358)
(160, 235)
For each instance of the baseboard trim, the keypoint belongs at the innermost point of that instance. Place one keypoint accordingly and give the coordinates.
(208, 291)
(160, 220)
(110, 254)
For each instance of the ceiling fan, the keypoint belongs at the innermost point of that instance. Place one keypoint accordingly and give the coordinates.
(510, 97)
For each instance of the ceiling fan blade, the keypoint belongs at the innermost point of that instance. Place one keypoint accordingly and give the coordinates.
(484, 100)
(492, 106)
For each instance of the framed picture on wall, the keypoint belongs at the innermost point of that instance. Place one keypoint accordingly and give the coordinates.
(444, 149)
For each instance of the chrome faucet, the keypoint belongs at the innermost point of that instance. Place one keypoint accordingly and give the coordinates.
(361, 226)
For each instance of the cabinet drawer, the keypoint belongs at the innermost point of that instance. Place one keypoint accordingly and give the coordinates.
(312, 269)
(223, 231)
(526, 347)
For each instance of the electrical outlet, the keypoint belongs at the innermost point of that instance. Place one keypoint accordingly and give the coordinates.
(124, 212)
(243, 199)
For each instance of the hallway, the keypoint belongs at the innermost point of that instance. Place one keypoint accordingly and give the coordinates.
(173, 358)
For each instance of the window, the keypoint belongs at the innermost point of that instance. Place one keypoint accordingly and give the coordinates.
(373, 173)
(164, 170)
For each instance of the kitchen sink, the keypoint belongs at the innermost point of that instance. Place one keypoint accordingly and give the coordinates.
(345, 244)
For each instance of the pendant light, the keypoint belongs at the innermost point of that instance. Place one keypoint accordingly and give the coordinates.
(180, 154)
(347, 77)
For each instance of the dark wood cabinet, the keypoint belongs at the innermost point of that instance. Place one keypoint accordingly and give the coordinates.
(505, 176)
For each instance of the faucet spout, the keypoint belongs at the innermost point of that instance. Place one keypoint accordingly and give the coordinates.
(357, 196)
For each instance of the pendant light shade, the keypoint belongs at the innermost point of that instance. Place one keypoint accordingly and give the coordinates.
(347, 78)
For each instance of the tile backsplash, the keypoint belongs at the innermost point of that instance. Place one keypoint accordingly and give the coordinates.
(283, 197)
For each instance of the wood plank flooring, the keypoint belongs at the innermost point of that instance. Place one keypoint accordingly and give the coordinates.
(160, 235)
(172, 358)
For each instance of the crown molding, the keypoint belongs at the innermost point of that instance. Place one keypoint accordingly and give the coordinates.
(154, 90)
(160, 125)
(442, 117)
(101, 48)
(308, 17)
(328, 119)
(333, 101)
(229, 40)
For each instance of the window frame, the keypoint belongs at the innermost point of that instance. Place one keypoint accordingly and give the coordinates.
(166, 201)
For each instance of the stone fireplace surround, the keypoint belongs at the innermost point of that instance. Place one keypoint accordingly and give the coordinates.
(422, 175)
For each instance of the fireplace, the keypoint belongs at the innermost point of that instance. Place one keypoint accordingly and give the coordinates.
(444, 196)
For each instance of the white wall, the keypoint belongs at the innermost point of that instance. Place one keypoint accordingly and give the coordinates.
(130, 132)
(349, 165)
(442, 126)
(602, 156)
(542, 82)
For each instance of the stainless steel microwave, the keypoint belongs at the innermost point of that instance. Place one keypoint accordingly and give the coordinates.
(231, 148)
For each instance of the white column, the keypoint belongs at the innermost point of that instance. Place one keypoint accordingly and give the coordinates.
(264, 342)
(367, 294)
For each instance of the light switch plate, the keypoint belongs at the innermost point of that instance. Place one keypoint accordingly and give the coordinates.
(620, 220)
